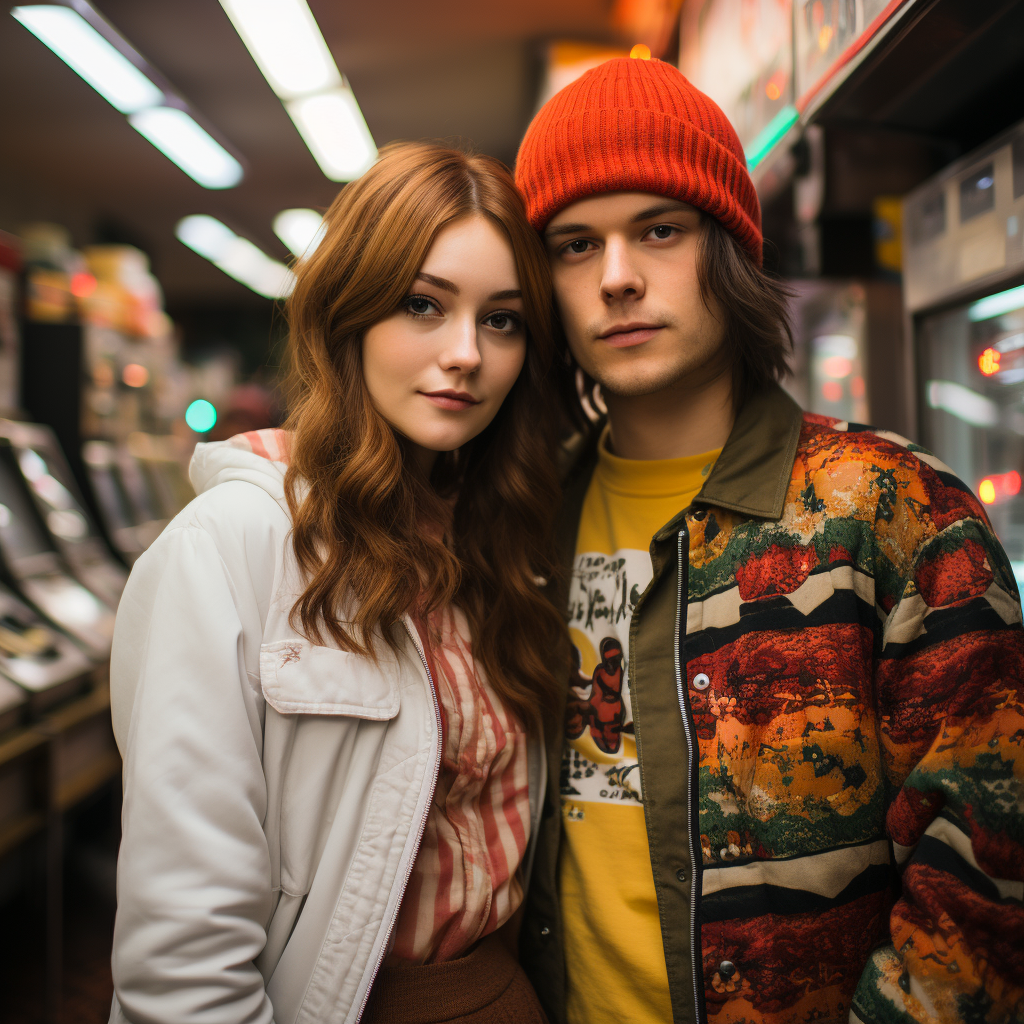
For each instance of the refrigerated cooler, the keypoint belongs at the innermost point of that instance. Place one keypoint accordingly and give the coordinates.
(964, 287)
(35, 569)
(62, 508)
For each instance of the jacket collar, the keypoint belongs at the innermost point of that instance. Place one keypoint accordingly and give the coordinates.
(752, 474)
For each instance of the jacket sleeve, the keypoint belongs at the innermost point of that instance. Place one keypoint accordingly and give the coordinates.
(193, 876)
(949, 690)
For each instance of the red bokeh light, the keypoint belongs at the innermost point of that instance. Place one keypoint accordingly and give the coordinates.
(999, 486)
(82, 285)
(832, 391)
(988, 362)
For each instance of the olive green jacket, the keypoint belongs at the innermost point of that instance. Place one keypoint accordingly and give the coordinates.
(825, 676)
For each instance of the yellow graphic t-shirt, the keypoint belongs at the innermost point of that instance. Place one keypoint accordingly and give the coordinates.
(614, 954)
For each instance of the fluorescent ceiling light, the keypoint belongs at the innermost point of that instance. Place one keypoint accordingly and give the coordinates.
(996, 305)
(181, 139)
(236, 256)
(332, 125)
(963, 403)
(286, 43)
(288, 47)
(301, 230)
(86, 52)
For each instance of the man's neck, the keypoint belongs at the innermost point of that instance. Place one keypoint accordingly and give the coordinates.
(678, 421)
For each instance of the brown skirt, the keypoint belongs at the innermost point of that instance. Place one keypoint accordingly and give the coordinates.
(487, 986)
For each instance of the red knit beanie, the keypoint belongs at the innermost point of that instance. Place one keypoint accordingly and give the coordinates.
(638, 126)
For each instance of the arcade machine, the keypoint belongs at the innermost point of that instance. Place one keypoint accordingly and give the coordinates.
(46, 665)
(964, 288)
(34, 568)
(12, 705)
(101, 463)
(67, 519)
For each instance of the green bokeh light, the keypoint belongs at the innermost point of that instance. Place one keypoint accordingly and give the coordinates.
(201, 416)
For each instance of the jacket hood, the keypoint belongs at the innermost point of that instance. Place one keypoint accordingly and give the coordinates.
(259, 457)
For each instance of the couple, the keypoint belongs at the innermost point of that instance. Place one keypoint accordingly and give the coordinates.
(771, 772)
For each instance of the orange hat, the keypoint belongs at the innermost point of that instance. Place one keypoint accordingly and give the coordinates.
(633, 125)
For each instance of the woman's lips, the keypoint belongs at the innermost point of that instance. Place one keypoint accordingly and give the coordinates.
(453, 401)
(629, 338)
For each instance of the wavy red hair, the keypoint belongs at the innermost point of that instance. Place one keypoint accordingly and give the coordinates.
(358, 504)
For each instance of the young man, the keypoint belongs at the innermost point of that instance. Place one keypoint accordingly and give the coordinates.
(792, 782)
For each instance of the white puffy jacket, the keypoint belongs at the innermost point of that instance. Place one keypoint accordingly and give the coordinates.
(275, 791)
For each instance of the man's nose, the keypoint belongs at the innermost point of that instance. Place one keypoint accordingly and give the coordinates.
(620, 277)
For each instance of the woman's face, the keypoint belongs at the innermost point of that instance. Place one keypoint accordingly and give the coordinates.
(439, 368)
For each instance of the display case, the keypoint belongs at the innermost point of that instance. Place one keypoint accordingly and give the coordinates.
(35, 568)
(62, 508)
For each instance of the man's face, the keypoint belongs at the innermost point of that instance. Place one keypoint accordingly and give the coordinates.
(625, 277)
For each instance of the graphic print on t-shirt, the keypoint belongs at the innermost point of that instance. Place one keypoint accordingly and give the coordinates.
(601, 765)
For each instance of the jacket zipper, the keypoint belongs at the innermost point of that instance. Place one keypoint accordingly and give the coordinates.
(420, 830)
(691, 779)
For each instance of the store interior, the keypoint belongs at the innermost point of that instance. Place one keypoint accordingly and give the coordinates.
(163, 166)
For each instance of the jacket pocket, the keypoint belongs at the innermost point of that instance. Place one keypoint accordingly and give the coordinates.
(298, 677)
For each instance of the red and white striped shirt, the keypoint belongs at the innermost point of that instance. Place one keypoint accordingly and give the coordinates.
(465, 881)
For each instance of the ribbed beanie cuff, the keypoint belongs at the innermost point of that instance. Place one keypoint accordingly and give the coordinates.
(638, 126)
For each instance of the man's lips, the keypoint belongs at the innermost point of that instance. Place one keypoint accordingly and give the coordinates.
(627, 335)
(454, 401)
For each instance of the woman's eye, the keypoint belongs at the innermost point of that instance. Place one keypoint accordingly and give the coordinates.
(506, 323)
(419, 306)
(662, 231)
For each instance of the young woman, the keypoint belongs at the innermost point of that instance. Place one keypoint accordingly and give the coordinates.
(331, 671)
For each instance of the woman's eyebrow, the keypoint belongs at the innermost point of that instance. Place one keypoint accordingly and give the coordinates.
(439, 282)
(510, 293)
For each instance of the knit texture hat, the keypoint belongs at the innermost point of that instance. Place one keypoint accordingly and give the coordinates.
(633, 125)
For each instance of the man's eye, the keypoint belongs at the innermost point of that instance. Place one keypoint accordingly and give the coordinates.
(578, 245)
(662, 231)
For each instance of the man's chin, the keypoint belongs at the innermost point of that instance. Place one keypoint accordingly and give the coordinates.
(641, 385)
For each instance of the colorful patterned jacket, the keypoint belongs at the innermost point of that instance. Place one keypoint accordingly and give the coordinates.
(827, 696)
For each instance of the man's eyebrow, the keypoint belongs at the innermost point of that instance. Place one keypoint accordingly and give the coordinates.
(660, 210)
(439, 282)
(568, 229)
(509, 293)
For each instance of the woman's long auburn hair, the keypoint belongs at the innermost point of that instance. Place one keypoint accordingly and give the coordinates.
(358, 505)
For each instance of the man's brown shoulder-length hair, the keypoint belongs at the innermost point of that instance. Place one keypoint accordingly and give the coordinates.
(755, 304)
(373, 538)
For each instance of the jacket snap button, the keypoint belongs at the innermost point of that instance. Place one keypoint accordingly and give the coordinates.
(701, 681)
(545, 932)
(700, 515)
(726, 969)
(681, 874)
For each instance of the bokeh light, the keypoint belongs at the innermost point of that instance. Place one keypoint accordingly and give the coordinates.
(135, 375)
(201, 416)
